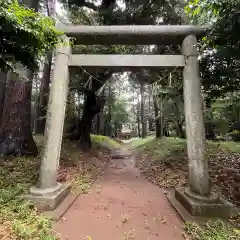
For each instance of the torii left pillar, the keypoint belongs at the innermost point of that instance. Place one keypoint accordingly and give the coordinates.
(48, 193)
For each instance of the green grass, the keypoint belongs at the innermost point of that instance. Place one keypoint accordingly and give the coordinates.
(105, 141)
(137, 142)
(165, 147)
(160, 148)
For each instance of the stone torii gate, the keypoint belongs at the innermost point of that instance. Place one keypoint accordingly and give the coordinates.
(197, 198)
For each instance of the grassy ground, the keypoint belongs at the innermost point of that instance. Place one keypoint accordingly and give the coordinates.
(159, 149)
(105, 141)
(18, 218)
(212, 230)
(164, 162)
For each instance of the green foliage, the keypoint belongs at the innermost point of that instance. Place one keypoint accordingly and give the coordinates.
(119, 114)
(169, 92)
(220, 49)
(140, 12)
(213, 230)
(25, 35)
(16, 175)
(224, 15)
(224, 112)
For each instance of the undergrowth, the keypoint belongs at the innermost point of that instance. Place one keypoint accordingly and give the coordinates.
(82, 183)
(213, 230)
(18, 218)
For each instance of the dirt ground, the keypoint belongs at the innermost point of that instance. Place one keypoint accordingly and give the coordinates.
(121, 205)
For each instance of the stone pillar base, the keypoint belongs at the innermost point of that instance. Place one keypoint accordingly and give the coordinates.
(193, 207)
(48, 199)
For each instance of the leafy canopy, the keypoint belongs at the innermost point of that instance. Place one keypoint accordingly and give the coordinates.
(25, 35)
(220, 49)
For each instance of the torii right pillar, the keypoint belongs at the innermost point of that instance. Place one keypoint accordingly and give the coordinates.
(196, 200)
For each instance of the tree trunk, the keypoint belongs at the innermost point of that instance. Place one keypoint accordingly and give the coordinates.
(92, 105)
(85, 130)
(109, 115)
(138, 117)
(142, 110)
(179, 124)
(149, 110)
(157, 120)
(3, 80)
(98, 123)
(166, 130)
(162, 124)
(44, 88)
(209, 126)
(179, 129)
(43, 95)
(15, 132)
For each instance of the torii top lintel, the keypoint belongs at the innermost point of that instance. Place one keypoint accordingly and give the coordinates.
(130, 34)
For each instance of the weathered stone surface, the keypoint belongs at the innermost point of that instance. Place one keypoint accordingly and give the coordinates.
(130, 34)
(193, 106)
(47, 201)
(62, 208)
(120, 62)
(219, 208)
(48, 194)
(55, 119)
(211, 198)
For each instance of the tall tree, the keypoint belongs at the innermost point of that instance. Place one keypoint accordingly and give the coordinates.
(143, 119)
(45, 82)
(3, 81)
(220, 48)
(21, 47)
(157, 119)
